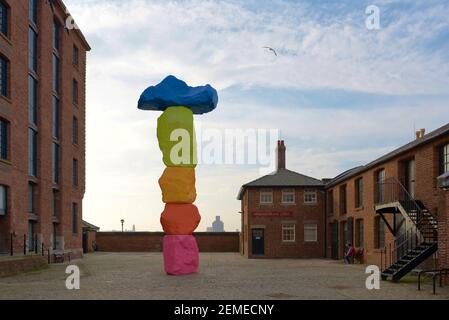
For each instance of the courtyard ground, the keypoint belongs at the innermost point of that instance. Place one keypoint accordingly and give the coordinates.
(221, 276)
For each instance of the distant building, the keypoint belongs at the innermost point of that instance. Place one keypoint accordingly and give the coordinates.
(217, 225)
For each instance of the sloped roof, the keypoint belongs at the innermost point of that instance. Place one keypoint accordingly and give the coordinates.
(282, 178)
(397, 152)
(90, 226)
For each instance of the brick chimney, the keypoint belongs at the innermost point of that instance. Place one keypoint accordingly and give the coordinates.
(280, 155)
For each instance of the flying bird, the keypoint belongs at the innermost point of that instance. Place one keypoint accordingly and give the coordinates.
(271, 49)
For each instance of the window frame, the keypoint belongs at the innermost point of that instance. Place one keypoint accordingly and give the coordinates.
(32, 49)
(263, 193)
(379, 233)
(4, 76)
(308, 227)
(359, 193)
(286, 229)
(309, 192)
(32, 197)
(75, 177)
(32, 152)
(75, 218)
(75, 130)
(343, 199)
(288, 192)
(4, 194)
(4, 140)
(32, 100)
(32, 11)
(444, 159)
(5, 17)
(56, 163)
(360, 233)
(75, 92)
(75, 56)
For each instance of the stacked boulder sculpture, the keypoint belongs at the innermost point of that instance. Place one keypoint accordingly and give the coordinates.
(177, 141)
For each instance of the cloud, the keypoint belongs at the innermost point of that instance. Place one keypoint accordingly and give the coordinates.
(341, 95)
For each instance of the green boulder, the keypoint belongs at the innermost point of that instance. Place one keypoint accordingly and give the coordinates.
(176, 135)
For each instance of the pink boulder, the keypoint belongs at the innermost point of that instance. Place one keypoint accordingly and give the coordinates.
(181, 255)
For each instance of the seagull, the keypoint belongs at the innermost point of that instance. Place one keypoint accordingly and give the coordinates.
(271, 49)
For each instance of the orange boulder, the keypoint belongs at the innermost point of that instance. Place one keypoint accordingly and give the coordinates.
(178, 185)
(180, 219)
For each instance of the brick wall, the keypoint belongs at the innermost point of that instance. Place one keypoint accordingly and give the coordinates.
(14, 109)
(152, 241)
(426, 162)
(301, 214)
(443, 230)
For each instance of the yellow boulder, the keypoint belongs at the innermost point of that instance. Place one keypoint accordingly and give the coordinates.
(178, 185)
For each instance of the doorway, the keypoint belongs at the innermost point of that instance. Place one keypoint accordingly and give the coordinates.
(334, 236)
(258, 242)
(410, 177)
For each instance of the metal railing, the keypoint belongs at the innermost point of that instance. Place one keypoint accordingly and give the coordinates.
(424, 224)
(434, 273)
(391, 191)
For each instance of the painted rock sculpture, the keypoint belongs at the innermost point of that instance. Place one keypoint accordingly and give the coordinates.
(177, 141)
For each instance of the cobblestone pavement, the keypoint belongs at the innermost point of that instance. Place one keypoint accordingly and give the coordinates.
(222, 276)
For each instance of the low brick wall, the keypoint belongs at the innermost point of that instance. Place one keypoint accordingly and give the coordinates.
(152, 241)
(15, 265)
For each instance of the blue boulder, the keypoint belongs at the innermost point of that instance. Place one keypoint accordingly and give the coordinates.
(174, 92)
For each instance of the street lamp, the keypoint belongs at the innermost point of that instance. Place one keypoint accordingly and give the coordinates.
(122, 221)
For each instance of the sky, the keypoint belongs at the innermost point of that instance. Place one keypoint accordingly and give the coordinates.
(340, 94)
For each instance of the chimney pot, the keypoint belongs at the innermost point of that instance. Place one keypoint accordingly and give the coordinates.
(423, 132)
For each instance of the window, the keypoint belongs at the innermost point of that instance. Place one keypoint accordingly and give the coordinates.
(310, 197)
(3, 200)
(55, 236)
(32, 100)
(359, 193)
(444, 159)
(75, 172)
(288, 196)
(360, 234)
(4, 140)
(75, 131)
(32, 152)
(56, 35)
(4, 65)
(343, 200)
(55, 203)
(310, 232)
(31, 235)
(76, 53)
(330, 203)
(31, 197)
(74, 217)
(266, 197)
(288, 233)
(55, 167)
(33, 10)
(56, 116)
(32, 50)
(379, 233)
(4, 18)
(75, 92)
(56, 74)
(380, 186)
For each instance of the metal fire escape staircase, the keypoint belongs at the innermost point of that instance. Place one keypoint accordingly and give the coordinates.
(417, 242)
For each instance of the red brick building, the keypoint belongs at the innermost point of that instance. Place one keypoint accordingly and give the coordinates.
(283, 214)
(42, 126)
(394, 210)
(393, 206)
